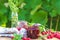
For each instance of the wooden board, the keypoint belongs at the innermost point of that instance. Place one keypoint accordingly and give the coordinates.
(46, 39)
(5, 38)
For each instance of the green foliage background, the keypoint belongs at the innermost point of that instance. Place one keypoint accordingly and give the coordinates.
(34, 11)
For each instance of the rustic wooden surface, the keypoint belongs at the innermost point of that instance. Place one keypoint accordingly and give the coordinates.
(5, 38)
(47, 39)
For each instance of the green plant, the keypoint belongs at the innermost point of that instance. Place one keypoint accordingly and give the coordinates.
(17, 37)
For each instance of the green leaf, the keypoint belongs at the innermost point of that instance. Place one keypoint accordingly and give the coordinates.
(3, 9)
(24, 15)
(47, 7)
(53, 13)
(35, 3)
(32, 4)
(17, 37)
(40, 17)
(3, 19)
(56, 5)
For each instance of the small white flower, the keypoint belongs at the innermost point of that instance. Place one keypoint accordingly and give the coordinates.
(6, 4)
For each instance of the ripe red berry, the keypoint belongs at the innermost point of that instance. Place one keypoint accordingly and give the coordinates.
(24, 39)
(18, 28)
(48, 37)
(28, 38)
(58, 36)
(43, 33)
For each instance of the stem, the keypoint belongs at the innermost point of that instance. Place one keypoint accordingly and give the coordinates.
(51, 23)
(57, 23)
(14, 20)
(37, 7)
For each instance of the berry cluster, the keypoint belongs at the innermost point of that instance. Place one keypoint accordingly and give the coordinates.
(26, 38)
(51, 35)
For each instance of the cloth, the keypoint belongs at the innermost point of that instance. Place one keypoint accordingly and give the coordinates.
(23, 32)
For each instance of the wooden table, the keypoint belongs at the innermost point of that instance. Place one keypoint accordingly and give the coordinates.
(5, 38)
(46, 39)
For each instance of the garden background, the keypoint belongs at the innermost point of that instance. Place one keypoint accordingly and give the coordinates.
(45, 12)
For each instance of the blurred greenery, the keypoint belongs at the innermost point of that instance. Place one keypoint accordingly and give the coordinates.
(33, 11)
